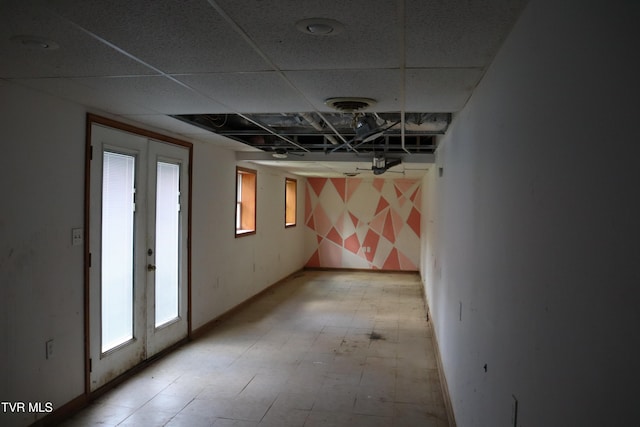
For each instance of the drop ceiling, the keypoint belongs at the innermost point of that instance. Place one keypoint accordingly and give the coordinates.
(187, 67)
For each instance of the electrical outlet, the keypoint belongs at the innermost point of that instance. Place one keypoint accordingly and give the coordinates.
(49, 349)
(77, 236)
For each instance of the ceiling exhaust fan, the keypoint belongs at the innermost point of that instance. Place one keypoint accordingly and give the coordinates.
(381, 165)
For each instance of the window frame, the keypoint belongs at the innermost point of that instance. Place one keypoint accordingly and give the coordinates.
(246, 197)
(287, 211)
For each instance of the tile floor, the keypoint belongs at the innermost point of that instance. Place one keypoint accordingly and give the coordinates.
(320, 349)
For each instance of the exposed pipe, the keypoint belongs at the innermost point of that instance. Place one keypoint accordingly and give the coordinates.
(317, 126)
(271, 131)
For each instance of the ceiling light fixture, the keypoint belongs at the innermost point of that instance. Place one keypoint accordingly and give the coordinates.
(320, 26)
(34, 42)
(279, 153)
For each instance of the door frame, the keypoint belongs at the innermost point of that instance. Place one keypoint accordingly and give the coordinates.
(96, 119)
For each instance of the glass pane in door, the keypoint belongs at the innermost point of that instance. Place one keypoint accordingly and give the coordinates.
(118, 205)
(167, 242)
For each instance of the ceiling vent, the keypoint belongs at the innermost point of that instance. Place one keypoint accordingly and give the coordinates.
(350, 105)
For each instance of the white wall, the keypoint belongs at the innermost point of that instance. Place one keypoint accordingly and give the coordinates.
(41, 273)
(223, 272)
(533, 227)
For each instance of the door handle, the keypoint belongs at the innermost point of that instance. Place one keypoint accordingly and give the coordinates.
(151, 267)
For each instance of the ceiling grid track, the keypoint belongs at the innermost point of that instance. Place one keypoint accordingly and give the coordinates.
(403, 66)
(172, 78)
(271, 64)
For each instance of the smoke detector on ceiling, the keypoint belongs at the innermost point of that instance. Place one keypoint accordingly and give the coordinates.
(35, 42)
(350, 105)
(320, 26)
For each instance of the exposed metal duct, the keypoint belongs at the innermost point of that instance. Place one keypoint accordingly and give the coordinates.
(318, 126)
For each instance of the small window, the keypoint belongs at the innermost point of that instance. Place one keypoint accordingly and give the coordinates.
(290, 196)
(245, 201)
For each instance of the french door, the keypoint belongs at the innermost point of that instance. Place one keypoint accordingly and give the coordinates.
(138, 250)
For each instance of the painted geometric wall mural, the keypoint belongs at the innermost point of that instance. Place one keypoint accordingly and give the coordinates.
(362, 223)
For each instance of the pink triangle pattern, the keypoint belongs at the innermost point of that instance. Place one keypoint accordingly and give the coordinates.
(314, 261)
(354, 219)
(398, 191)
(388, 232)
(340, 185)
(416, 198)
(340, 224)
(403, 185)
(377, 223)
(405, 262)
(335, 237)
(352, 244)
(397, 221)
(378, 183)
(307, 205)
(382, 203)
(317, 184)
(369, 227)
(402, 200)
(322, 221)
(352, 185)
(392, 262)
(414, 221)
(371, 242)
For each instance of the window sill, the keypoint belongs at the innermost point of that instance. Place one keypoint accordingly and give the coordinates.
(242, 233)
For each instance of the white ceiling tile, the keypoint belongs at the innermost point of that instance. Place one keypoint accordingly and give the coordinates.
(317, 86)
(78, 54)
(184, 36)
(264, 92)
(73, 90)
(158, 93)
(457, 33)
(370, 38)
(440, 90)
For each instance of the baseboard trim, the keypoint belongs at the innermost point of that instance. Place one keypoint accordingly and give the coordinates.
(76, 405)
(362, 270)
(204, 329)
(443, 379)
(63, 412)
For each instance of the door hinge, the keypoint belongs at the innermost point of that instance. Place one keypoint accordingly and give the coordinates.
(90, 365)
(89, 259)
(91, 152)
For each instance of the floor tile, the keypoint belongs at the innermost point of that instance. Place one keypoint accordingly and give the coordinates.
(324, 348)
